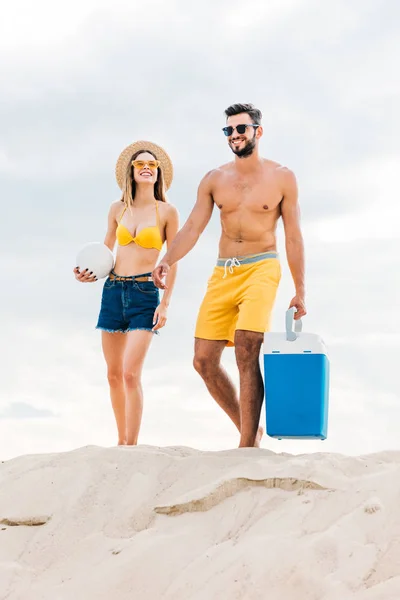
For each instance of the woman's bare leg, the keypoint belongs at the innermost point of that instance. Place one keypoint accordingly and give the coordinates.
(114, 345)
(135, 352)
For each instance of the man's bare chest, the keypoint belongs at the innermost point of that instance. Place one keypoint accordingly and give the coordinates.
(247, 194)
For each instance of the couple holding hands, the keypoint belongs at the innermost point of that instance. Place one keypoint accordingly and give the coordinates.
(251, 194)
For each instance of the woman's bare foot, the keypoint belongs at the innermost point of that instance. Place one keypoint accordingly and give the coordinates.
(121, 442)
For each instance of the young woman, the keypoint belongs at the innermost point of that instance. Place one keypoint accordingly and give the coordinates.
(131, 311)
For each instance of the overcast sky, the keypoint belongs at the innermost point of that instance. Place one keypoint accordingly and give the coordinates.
(82, 80)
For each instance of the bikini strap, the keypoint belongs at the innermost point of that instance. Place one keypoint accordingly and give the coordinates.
(122, 214)
(158, 216)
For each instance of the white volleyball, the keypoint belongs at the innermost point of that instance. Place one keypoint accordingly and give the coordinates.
(95, 257)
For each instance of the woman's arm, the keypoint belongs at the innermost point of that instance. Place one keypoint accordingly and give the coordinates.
(109, 241)
(111, 237)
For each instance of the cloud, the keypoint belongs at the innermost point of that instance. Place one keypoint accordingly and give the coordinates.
(23, 410)
(119, 75)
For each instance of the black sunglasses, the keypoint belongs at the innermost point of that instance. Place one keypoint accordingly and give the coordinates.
(239, 128)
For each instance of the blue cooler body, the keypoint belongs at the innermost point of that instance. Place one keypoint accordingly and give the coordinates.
(296, 378)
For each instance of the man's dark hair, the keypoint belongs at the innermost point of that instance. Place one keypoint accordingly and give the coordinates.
(253, 112)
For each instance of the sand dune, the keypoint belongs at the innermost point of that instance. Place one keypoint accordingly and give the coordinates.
(179, 524)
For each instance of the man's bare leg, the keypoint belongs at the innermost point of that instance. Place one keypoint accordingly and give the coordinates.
(247, 350)
(207, 362)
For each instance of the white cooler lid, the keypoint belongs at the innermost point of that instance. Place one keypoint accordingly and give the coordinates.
(305, 343)
(293, 340)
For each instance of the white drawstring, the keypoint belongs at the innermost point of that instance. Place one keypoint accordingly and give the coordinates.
(230, 264)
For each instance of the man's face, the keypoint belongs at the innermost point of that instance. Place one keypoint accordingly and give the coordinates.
(243, 144)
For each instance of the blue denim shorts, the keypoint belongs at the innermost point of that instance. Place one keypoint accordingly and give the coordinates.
(127, 304)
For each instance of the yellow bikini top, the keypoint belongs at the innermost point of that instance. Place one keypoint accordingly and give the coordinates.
(150, 237)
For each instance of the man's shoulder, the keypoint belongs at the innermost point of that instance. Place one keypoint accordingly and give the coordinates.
(214, 174)
(285, 175)
(278, 167)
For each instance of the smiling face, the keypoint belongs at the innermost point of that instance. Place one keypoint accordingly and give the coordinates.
(243, 144)
(145, 169)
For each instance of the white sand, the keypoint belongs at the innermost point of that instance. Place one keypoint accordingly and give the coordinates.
(178, 524)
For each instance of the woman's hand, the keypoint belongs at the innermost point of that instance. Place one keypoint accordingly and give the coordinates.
(85, 276)
(160, 317)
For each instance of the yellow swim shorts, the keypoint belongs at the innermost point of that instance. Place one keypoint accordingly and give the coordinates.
(240, 295)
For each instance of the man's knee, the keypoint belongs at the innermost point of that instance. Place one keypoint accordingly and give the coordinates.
(206, 364)
(202, 363)
(247, 347)
(207, 356)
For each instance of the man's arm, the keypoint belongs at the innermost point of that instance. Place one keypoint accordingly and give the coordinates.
(187, 237)
(171, 231)
(294, 240)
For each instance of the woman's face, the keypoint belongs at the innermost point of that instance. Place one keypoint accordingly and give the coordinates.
(145, 168)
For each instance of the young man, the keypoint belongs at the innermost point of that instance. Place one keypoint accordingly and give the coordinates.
(251, 193)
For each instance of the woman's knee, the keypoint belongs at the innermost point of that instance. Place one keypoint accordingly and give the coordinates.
(132, 378)
(115, 377)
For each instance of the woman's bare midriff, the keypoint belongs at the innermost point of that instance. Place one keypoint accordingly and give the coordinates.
(135, 260)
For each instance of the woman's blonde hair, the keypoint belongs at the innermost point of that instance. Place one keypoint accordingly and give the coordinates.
(129, 188)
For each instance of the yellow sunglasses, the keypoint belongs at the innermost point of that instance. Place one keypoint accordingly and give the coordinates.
(140, 164)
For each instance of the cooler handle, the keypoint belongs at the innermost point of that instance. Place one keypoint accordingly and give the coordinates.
(291, 333)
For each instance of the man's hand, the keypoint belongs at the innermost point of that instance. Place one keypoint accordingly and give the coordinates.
(159, 273)
(299, 303)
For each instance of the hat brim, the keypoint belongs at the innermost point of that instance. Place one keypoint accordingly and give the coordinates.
(159, 153)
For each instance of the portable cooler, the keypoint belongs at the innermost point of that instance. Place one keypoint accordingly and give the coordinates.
(296, 377)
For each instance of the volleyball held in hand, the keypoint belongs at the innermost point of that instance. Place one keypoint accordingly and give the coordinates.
(95, 257)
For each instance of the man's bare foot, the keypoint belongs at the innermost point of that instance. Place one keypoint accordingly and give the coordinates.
(121, 442)
(260, 433)
(257, 441)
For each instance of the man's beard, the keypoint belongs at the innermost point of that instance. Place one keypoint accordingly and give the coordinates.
(247, 150)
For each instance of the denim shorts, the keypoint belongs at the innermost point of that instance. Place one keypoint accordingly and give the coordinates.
(127, 304)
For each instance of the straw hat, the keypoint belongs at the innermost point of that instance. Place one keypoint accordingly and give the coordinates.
(159, 153)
